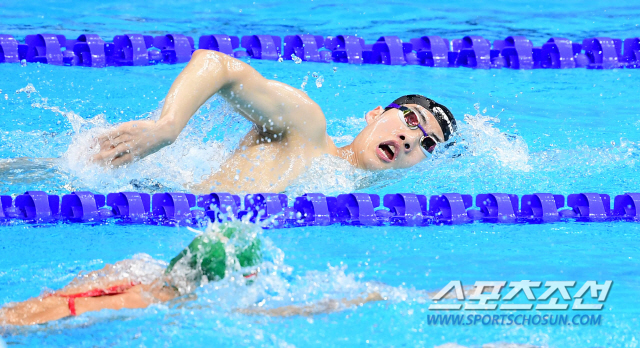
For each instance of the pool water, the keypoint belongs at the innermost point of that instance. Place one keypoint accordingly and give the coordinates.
(558, 131)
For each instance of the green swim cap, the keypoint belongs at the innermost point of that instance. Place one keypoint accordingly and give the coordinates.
(207, 256)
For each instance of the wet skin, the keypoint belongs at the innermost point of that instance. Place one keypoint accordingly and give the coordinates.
(48, 308)
(289, 129)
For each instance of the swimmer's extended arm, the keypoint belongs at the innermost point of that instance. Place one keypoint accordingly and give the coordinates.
(276, 109)
(320, 307)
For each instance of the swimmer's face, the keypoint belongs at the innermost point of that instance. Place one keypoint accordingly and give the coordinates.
(387, 143)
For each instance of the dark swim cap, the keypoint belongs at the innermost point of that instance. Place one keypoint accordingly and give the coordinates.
(444, 117)
(207, 255)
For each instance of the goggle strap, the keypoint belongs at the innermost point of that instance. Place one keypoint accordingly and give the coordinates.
(392, 106)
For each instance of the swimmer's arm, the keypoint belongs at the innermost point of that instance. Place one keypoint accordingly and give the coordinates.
(320, 307)
(271, 105)
(275, 108)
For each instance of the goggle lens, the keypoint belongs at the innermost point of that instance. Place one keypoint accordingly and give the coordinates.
(428, 144)
(411, 119)
(413, 122)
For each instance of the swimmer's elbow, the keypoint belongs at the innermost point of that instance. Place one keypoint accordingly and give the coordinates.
(212, 63)
(199, 56)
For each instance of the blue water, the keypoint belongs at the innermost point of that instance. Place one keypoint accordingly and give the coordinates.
(525, 131)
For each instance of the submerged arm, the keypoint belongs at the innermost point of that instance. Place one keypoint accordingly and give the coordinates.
(320, 307)
(273, 107)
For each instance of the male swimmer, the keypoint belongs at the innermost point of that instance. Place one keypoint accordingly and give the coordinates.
(217, 253)
(289, 129)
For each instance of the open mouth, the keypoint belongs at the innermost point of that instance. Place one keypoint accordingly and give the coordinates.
(387, 151)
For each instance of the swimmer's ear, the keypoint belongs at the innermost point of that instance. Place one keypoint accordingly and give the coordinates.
(373, 114)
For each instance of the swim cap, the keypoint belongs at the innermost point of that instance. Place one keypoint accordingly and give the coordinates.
(445, 118)
(207, 255)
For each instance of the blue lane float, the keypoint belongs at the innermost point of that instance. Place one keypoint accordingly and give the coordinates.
(306, 47)
(315, 209)
(431, 51)
(8, 49)
(556, 53)
(345, 48)
(175, 48)
(471, 52)
(266, 47)
(133, 50)
(477, 52)
(222, 43)
(132, 207)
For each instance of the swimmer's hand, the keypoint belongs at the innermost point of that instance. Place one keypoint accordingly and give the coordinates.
(131, 141)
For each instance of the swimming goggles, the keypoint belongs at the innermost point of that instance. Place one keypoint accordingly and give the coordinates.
(411, 120)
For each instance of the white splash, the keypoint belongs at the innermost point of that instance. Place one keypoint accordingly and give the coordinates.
(482, 138)
(27, 89)
(178, 166)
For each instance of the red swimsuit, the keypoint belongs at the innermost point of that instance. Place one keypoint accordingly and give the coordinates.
(114, 290)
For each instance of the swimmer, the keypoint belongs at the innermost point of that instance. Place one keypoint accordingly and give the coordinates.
(220, 250)
(289, 129)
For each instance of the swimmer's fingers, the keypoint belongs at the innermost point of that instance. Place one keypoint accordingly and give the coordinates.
(122, 133)
(122, 139)
(110, 156)
(124, 159)
(113, 139)
(105, 139)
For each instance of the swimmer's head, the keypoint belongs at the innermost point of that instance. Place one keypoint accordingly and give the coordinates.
(402, 134)
(209, 255)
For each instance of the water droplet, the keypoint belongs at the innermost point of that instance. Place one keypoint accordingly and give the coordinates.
(296, 59)
(280, 60)
(23, 62)
(314, 75)
(335, 68)
(319, 81)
